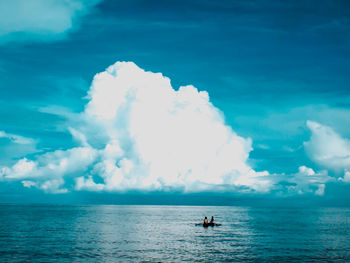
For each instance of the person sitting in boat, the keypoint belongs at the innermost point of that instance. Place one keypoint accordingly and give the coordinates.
(211, 220)
(205, 222)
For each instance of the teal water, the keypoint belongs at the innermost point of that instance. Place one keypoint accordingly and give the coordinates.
(168, 234)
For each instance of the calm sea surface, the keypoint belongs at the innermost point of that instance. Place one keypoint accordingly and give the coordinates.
(168, 234)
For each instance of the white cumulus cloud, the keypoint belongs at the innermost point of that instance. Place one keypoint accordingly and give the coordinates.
(137, 132)
(328, 148)
(307, 180)
(304, 181)
(346, 177)
(47, 172)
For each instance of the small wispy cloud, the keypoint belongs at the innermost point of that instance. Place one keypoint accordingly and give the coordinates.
(40, 20)
(16, 138)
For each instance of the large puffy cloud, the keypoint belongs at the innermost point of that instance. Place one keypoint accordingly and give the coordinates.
(138, 133)
(155, 137)
(23, 20)
(165, 137)
(327, 148)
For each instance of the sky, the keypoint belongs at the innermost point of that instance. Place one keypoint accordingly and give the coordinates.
(110, 101)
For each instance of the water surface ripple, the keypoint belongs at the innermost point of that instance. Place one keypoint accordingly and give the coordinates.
(98, 233)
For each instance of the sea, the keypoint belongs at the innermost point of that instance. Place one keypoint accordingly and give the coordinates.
(112, 233)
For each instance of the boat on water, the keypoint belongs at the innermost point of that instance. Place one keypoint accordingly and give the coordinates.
(207, 225)
(205, 222)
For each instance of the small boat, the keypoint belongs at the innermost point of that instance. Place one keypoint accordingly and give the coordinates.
(209, 224)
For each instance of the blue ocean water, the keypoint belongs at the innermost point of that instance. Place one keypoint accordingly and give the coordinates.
(111, 233)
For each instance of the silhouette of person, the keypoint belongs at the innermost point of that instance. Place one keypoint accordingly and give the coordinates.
(212, 220)
(205, 222)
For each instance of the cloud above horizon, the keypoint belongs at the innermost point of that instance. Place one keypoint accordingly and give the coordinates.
(41, 20)
(138, 133)
(327, 148)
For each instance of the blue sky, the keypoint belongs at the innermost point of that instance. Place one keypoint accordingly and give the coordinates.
(268, 66)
